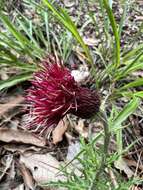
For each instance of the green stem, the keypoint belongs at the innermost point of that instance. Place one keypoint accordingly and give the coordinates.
(103, 118)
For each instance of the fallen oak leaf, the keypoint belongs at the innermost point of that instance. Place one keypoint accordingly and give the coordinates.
(9, 135)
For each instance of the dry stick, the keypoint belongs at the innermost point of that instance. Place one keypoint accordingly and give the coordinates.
(103, 117)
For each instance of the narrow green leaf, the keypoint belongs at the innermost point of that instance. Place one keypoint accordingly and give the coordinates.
(115, 31)
(15, 80)
(68, 23)
(130, 66)
(125, 113)
(13, 30)
(128, 55)
(105, 20)
(139, 94)
(132, 94)
(26, 30)
(110, 3)
(7, 41)
(138, 82)
(23, 41)
(46, 22)
(134, 61)
(123, 17)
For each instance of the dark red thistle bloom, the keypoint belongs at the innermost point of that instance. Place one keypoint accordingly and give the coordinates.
(54, 93)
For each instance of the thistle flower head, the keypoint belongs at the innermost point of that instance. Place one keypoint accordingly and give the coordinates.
(54, 93)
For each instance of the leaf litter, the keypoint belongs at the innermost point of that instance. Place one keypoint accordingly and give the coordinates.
(19, 136)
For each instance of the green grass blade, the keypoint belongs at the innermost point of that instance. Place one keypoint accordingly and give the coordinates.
(46, 22)
(139, 94)
(23, 41)
(123, 17)
(28, 33)
(131, 66)
(127, 111)
(131, 94)
(115, 31)
(128, 55)
(134, 61)
(67, 22)
(138, 82)
(15, 80)
(13, 30)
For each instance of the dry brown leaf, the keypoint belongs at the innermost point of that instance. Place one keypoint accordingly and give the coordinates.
(139, 18)
(21, 148)
(11, 104)
(18, 136)
(81, 129)
(135, 188)
(81, 74)
(59, 131)
(20, 187)
(80, 55)
(4, 75)
(12, 171)
(7, 166)
(113, 178)
(122, 165)
(134, 163)
(69, 3)
(27, 177)
(43, 167)
(69, 137)
(73, 150)
(91, 41)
